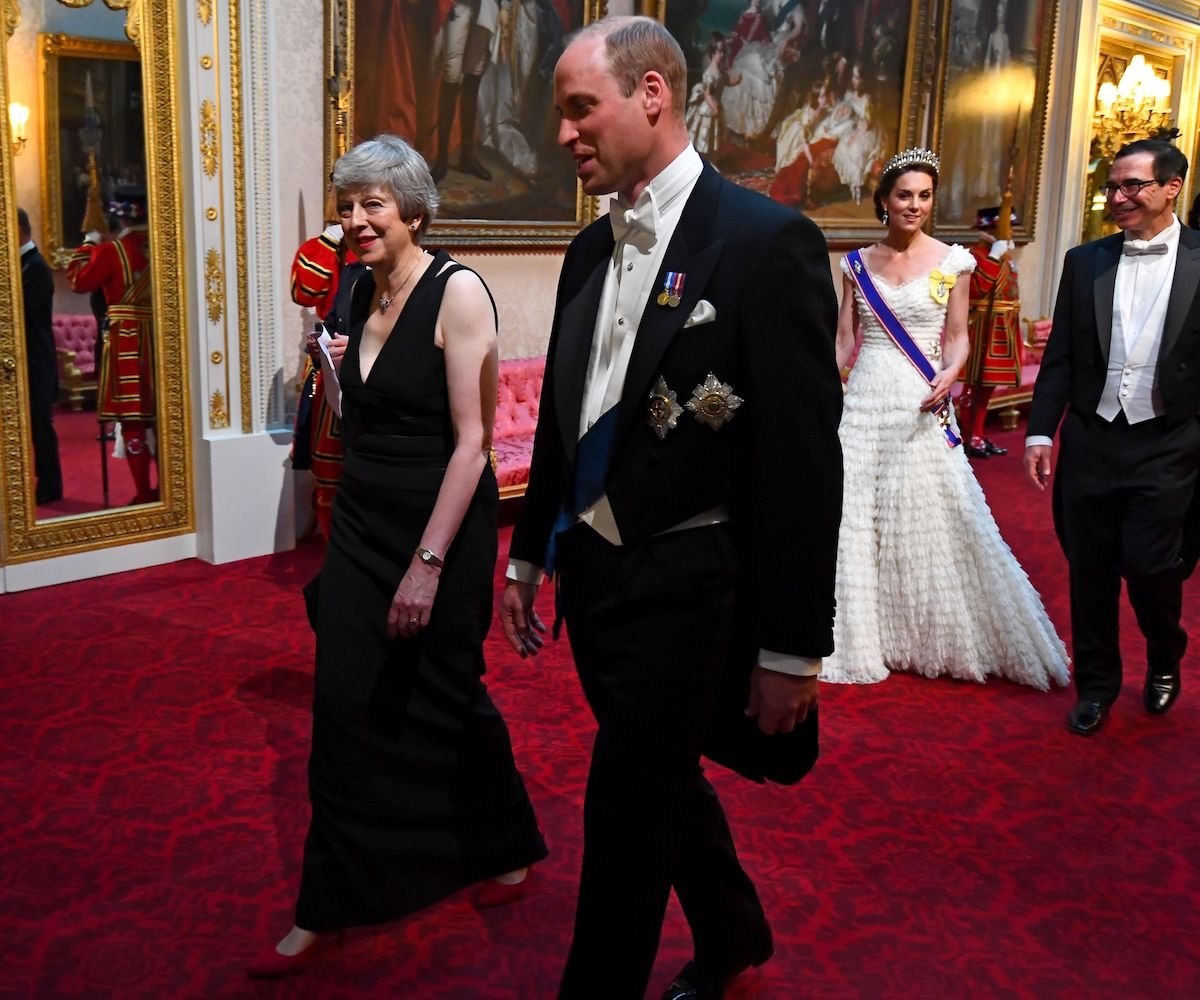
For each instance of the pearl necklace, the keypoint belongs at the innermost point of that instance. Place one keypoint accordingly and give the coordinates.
(386, 300)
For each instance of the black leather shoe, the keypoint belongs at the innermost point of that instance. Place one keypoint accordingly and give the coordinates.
(693, 984)
(993, 449)
(1160, 692)
(1087, 716)
(973, 452)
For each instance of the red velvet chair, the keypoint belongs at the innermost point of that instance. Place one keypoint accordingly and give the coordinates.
(520, 392)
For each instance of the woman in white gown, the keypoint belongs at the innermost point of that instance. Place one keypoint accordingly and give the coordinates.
(925, 583)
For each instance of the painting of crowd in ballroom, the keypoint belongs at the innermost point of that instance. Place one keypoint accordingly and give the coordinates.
(802, 100)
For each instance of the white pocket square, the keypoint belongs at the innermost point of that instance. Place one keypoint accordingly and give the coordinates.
(703, 313)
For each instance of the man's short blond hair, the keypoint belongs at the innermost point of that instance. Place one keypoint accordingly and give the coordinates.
(635, 46)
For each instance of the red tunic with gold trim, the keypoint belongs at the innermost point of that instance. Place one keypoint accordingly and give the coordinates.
(993, 322)
(122, 269)
(315, 273)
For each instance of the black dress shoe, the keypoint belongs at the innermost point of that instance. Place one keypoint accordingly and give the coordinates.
(1160, 692)
(693, 984)
(973, 452)
(993, 449)
(1087, 716)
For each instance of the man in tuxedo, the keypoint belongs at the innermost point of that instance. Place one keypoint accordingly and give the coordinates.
(37, 287)
(1123, 361)
(686, 475)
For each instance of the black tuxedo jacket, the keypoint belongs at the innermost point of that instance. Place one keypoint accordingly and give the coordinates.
(776, 465)
(1075, 362)
(37, 287)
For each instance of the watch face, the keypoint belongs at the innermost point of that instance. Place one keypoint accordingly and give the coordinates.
(426, 556)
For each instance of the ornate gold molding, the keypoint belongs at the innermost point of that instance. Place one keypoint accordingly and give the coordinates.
(218, 412)
(210, 141)
(213, 285)
(239, 207)
(12, 15)
(204, 10)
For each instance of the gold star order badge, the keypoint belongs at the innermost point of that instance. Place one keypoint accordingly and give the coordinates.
(713, 402)
(664, 409)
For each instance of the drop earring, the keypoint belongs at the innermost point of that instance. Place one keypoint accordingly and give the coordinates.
(885, 216)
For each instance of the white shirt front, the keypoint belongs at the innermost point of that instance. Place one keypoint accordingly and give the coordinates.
(1140, 300)
(634, 265)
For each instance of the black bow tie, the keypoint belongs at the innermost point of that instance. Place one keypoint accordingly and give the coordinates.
(1150, 249)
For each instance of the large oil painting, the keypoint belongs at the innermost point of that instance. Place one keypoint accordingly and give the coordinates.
(470, 84)
(993, 109)
(804, 100)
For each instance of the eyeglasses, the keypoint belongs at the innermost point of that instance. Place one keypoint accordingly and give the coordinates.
(1127, 188)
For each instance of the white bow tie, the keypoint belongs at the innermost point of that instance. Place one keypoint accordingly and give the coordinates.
(633, 223)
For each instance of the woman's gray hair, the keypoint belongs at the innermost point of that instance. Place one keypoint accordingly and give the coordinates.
(387, 161)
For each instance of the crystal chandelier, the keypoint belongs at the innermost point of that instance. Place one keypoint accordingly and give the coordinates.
(1136, 107)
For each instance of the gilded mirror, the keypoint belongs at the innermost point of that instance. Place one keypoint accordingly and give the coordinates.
(98, 179)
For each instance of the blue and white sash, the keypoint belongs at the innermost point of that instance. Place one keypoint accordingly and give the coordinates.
(901, 338)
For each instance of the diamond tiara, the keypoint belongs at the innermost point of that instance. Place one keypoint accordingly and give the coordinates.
(911, 157)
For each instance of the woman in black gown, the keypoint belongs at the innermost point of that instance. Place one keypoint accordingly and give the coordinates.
(414, 790)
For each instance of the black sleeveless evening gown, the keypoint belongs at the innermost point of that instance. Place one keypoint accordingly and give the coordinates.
(414, 790)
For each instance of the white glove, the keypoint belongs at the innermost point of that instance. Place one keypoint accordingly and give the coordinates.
(333, 233)
(92, 237)
(999, 249)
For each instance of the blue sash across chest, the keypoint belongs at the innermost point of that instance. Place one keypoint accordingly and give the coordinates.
(901, 338)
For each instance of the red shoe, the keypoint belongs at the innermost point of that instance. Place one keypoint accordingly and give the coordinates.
(492, 893)
(272, 964)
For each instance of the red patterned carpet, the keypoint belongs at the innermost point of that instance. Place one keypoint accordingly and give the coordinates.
(954, 840)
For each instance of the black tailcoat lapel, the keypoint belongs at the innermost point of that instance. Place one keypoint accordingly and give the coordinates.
(577, 326)
(692, 252)
(1108, 256)
(1185, 288)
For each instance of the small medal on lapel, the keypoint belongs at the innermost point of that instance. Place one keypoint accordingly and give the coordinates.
(713, 402)
(664, 409)
(940, 285)
(672, 289)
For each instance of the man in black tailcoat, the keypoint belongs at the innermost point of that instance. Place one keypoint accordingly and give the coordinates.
(37, 286)
(1123, 361)
(686, 470)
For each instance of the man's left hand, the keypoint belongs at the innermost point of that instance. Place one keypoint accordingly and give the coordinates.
(779, 701)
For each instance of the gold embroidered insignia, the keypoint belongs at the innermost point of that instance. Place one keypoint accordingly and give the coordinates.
(664, 409)
(713, 402)
(940, 285)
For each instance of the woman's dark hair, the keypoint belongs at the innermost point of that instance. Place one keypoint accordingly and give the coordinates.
(888, 181)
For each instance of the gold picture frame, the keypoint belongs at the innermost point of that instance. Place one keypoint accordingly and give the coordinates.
(64, 62)
(532, 199)
(154, 29)
(994, 89)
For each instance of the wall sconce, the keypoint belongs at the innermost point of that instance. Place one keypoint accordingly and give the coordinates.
(18, 119)
(1136, 107)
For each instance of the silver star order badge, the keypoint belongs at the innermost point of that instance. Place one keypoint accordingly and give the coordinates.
(664, 409)
(713, 402)
(934, 352)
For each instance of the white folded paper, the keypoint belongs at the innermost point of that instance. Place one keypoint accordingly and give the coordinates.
(329, 378)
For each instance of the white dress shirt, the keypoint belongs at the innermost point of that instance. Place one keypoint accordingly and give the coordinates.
(1140, 300)
(645, 229)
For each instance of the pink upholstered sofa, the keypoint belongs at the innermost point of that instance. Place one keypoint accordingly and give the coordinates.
(75, 340)
(516, 420)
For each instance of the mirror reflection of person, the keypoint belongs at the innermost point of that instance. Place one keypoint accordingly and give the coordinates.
(121, 267)
(37, 287)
